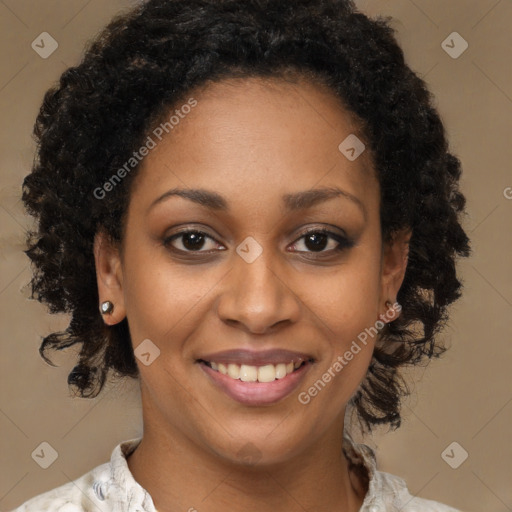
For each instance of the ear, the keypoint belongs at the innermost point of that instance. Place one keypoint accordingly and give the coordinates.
(109, 277)
(394, 260)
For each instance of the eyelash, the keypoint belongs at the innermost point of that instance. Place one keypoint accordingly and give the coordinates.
(343, 242)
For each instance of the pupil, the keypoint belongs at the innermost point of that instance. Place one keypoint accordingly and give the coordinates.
(193, 241)
(317, 241)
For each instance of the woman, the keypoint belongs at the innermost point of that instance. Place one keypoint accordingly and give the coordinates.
(251, 207)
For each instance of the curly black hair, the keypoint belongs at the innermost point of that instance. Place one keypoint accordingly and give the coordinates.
(148, 59)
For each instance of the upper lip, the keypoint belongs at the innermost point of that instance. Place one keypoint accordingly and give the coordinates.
(256, 358)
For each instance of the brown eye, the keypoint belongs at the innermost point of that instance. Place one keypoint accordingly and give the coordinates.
(318, 240)
(191, 241)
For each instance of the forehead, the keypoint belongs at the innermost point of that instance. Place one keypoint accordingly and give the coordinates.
(257, 135)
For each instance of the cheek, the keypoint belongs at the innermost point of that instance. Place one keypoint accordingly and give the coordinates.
(162, 297)
(347, 300)
(347, 306)
(349, 335)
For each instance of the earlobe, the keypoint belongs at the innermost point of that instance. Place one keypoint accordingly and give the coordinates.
(109, 279)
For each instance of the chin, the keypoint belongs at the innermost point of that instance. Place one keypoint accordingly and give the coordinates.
(254, 447)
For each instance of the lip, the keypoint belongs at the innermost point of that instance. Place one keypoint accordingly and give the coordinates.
(256, 358)
(257, 393)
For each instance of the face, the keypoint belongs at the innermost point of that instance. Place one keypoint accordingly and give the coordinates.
(271, 273)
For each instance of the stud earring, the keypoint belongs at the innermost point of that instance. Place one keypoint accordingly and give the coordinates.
(106, 307)
(391, 313)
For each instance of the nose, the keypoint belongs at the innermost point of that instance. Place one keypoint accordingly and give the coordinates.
(258, 296)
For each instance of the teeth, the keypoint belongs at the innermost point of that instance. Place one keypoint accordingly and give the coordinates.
(248, 373)
(280, 371)
(267, 373)
(234, 371)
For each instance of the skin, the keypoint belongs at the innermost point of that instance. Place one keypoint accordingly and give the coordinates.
(251, 141)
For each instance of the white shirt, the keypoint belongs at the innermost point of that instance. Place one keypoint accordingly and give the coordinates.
(111, 487)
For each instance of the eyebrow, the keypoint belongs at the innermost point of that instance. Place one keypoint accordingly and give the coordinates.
(292, 202)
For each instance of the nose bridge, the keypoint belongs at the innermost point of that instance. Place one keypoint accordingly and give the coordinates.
(256, 296)
(258, 276)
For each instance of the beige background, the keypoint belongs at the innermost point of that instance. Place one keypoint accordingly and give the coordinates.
(465, 397)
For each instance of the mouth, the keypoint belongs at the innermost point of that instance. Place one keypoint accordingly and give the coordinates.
(256, 378)
(250, 373)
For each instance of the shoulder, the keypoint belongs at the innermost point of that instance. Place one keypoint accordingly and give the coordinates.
(76, 496)
(386, 492)
(390, 493)
(109, 486)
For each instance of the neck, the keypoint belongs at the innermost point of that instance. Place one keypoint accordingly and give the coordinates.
(180, 476)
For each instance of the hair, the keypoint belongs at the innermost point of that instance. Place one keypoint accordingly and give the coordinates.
(148, 59)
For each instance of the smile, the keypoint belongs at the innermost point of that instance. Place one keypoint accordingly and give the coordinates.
(256, 378)
(249, 373)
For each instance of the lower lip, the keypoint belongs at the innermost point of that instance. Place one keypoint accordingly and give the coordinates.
(257, 393)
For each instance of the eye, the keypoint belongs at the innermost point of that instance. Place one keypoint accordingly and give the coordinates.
(192, 240)
(317, 240)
